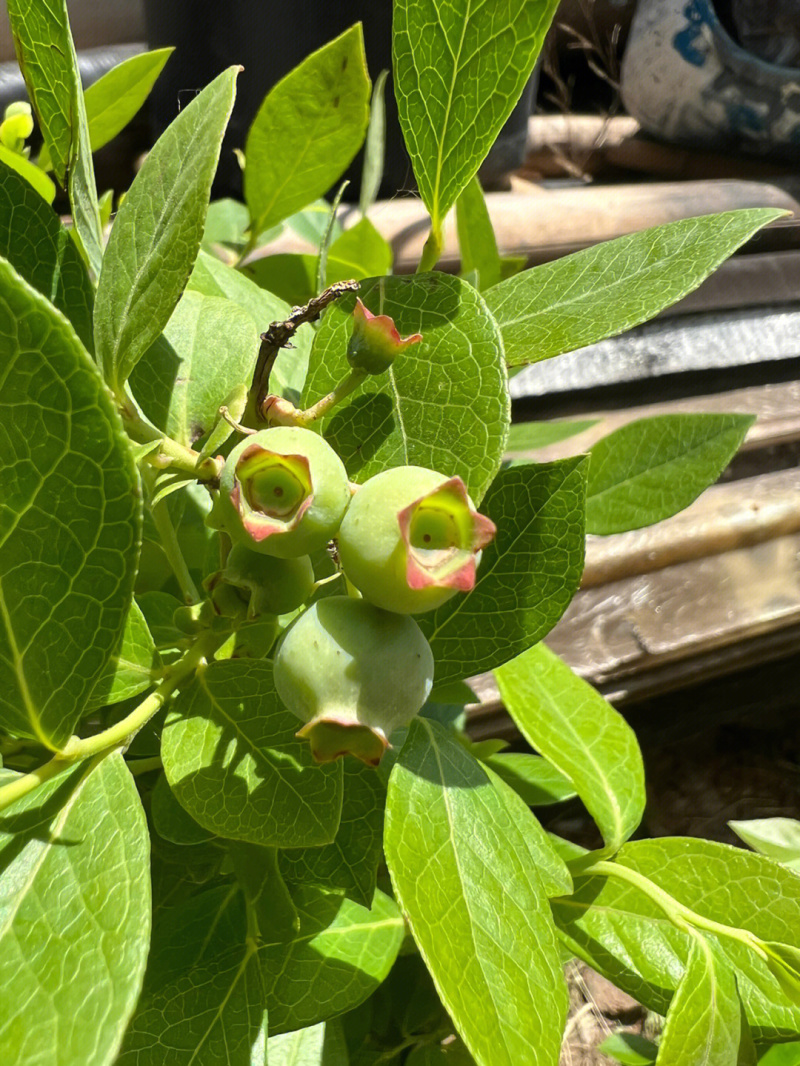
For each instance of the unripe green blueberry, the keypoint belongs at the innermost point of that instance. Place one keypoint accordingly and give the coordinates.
(375, 342)
(353, 673)
(412, 539)
(283, 492)
(277, 586)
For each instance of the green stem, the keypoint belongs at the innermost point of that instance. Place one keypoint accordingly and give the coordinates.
(323, 406)
(169, 454)
(117, 735)
(677, 912)
(432, 250)
(144, 766)
(172, 549)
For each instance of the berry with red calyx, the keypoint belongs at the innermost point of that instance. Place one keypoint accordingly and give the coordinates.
(375, 341)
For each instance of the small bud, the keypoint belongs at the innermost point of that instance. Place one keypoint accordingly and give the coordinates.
(375, 341)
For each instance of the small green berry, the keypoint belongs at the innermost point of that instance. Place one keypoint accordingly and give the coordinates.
(276, 586)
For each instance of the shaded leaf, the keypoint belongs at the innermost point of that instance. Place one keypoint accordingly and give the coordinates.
(533, 778)
(703, 1024)
(157, 232)
(291, 276)
(630, 1049)
(443, 404)
(307, 130)
(70, 519)
(350, 862)
(360, 252)
(527, 436)
(74, 916)
(171, 821)
(459, 69)
(581, 734)
(527, 575)
(232, 760)
(654, 467)
(132, 668)
(226, 223)
(374, 146)
(619, 931)
(476, 239)
(463, 874)
(29, 172)
(606, 289)
(38, 247)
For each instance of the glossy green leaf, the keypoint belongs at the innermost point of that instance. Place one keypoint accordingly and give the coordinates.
(778, 838)
(581, 734)
(527, 575)
(213, 278)
(157, 232)
(340, 955)
(74, 916)
(307, 130)
(533, 778)
(132, 668)
(462, 872)
(49, 65)
(318, 1045)
(171, 821)
(443, 404)
(629, 1049)
(606, 289)
(476, 239)
(616, 928)
(528, 436)
(459, 69)
(360, 252)
(290, 276)
(40, 249)
(113, 100)
(70, 519)
(703, 1024)
(374, 146)
(350, 862)
(232, 760)
(203, 997)
(29, 172)
(209, 345)
(654, 467)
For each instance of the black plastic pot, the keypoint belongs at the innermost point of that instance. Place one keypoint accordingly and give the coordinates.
(270, 38)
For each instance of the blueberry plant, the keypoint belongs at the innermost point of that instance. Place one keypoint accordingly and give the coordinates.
(251, 552)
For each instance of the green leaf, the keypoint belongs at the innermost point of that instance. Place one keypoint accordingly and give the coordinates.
(318, 1045)
(339, 957)
(113, 100)
(528, 436)
(606, 289)
(74, 916)
(781, 1055)
(291, 276)
(38, 247)
(312, 222)
(459, 69)
(307, 130)
(70, 519)
(476, 239)
(443, 404)
(654, 467)
(226, 224)
(209, 345)
(213, 278)
(360, 252)
(527, 575)
(131, 669)
(49, 65)
(533, 778)
(374, 146)
(171, 821)
(618, 930)
(350, 862)
(778, 838)
(232, 760)
(703, 1024)
(464, 876)
(203, 997)
(157, 232)
(581, 734)
(630, 1049)
(32, 175)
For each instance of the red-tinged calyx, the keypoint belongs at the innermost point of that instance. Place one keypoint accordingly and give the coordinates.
(331, 737)
(271, 491)
(444, 536)
(375, 341)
